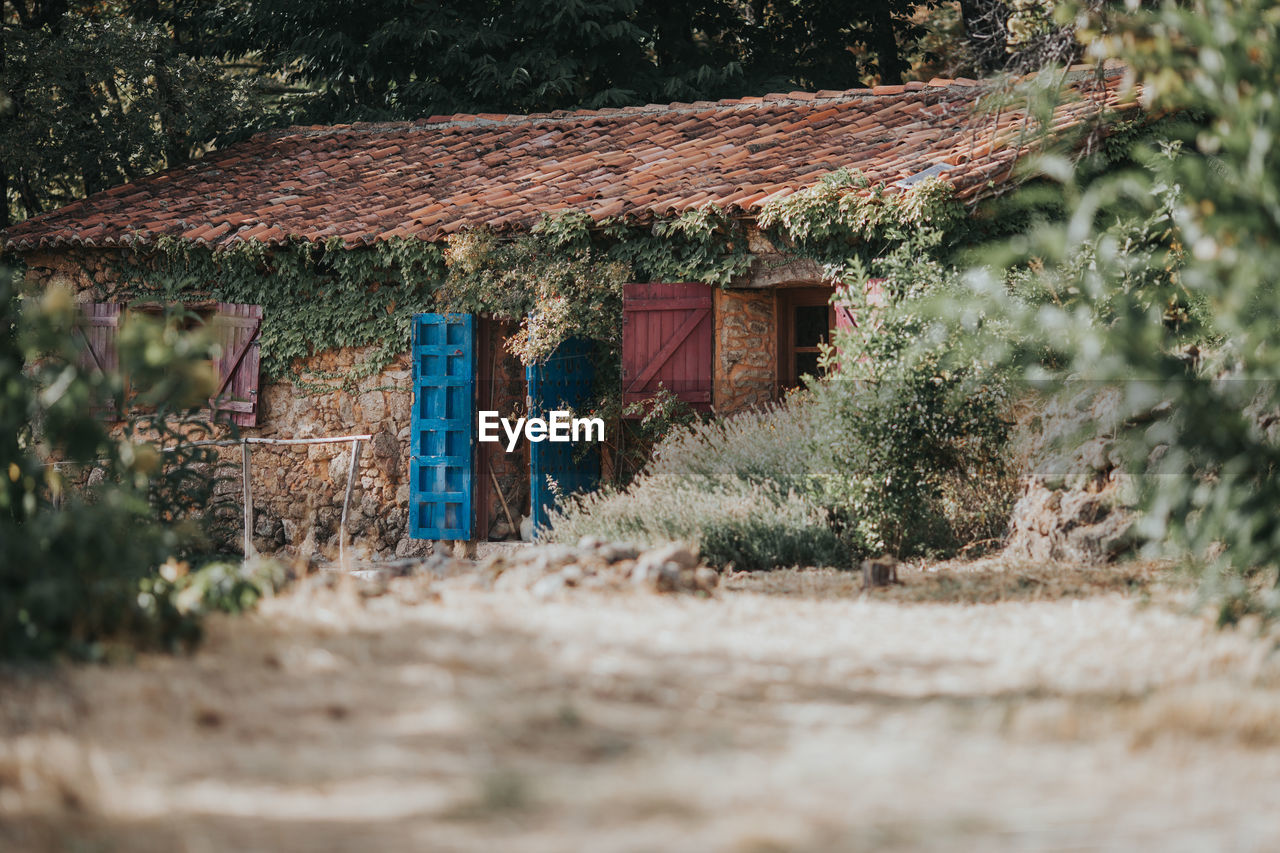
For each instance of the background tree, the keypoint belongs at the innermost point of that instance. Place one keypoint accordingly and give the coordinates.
(408, 59)
(1160, 287)
(96, 93)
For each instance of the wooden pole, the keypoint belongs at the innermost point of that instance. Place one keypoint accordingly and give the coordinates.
(346, 502)
(511, 521)
(248, 501)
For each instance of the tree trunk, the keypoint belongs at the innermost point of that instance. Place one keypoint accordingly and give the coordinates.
(885, 43)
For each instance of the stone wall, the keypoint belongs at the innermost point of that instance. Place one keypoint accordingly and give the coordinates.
(298, 490)
(91, 273)
(746, 358)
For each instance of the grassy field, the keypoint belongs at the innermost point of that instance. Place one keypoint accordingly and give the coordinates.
(977, 706)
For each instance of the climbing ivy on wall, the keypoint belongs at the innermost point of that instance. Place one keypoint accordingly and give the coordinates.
(314, 297)
(565, 277)
(844, 216)
(562, 278)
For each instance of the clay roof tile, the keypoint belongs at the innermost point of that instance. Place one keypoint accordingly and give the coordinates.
(434, 176)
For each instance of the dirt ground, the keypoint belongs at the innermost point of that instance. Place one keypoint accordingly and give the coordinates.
(975, 708)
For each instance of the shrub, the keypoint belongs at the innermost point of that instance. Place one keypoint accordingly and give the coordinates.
(851, 468)
(77, 569)
(735, 487)
(902, 429)
(1161, 285)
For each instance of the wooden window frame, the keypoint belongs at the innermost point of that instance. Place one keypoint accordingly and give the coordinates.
(786, 300)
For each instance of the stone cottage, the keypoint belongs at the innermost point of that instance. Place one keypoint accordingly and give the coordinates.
(718, 348)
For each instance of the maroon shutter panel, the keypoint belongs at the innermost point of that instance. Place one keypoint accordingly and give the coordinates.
(845, 317)
(667, 341)
(845, 322)
(237, 328)
(98, 326)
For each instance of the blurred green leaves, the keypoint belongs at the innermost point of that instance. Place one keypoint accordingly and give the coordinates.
(86, 514)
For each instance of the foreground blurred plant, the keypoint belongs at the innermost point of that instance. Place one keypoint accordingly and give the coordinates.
(77, 567)
(1163, 283)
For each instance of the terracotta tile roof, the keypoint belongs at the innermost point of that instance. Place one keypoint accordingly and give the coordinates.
(424, 179)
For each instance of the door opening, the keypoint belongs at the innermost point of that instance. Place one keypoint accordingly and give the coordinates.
(805, 323)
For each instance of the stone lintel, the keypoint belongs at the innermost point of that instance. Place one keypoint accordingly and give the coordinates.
(776, 270)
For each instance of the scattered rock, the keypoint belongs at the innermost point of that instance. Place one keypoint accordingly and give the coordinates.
(616, 552)
(371, 583)
(678, 554)
(544, 571)
(706, 578)
(549, 585)
(549, 570)
(1077, 504)
(407, 547)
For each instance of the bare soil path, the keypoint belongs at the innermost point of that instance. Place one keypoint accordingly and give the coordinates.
(785, 713)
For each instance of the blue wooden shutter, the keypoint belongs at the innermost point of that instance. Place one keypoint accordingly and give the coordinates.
(443, 436)
(563, 381)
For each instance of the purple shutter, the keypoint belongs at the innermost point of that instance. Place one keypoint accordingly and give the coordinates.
(237, 328)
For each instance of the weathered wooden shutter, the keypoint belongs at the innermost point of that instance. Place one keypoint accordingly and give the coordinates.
(98, 326)
(442, 439)
(844, 318)
(237, 328)
(667, 340)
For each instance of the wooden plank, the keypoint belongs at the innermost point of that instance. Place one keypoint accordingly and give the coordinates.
(248, 500)
(672, 343)
(668, 340)
(674, 304)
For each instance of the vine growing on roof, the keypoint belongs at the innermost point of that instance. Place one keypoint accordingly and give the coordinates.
(563, 278)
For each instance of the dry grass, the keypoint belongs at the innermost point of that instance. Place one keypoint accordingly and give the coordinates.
(979, 582)
(788, 712)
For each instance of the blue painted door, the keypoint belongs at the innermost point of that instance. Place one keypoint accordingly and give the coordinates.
(564, 381)
(443, 439)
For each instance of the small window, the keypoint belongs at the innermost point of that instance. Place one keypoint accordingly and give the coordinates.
(805, 322)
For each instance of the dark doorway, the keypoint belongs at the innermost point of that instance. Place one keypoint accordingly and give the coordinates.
(805, 322)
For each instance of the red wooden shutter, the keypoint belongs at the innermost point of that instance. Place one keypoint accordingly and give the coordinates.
(98, 326)
(845, 316)
(667, 340)
(237, 328)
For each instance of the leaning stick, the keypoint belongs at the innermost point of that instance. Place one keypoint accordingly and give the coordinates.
(497, 488)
